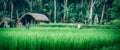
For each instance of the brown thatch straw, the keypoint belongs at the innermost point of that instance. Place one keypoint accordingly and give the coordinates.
(37, 16)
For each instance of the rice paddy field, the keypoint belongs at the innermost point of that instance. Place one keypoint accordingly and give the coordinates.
(59, 38)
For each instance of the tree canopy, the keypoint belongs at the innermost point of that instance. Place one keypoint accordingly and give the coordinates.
(83, 11)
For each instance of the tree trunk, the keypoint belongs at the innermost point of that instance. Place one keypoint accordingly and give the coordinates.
(54, 11)
(12, 10)
(82, 3)
(17, 15)
(101, 21)
(30, 5)
(91, 11)
(40, 5)
(5, 4)
(50, 18)
(65, 11)
(96, 19)
(81, 13)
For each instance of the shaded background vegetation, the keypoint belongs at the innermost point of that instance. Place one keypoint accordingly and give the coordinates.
(66, 10)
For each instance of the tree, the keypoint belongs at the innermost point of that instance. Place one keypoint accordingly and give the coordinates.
(65, 9)
(31, 5)
(61, 10)
(54, 11)
(91, 11)
(12, 7)
(115, 13)
(103, 11)
(115, 10)
(37, 6)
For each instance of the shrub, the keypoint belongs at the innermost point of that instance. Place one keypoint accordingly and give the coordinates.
(115, 22)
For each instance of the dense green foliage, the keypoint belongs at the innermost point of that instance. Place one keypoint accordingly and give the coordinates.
(115, 13)
(70, 11)
(59, 38)
(115, 10)
(115, 22)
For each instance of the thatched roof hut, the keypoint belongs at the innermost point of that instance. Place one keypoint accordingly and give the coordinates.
(33, 18)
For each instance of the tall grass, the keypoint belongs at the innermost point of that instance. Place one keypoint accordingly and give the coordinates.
(58, 38)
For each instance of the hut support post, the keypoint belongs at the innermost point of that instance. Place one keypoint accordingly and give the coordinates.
(25, 21)
(34, 23)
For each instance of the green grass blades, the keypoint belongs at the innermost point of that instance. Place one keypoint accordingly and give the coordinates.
(59, 38)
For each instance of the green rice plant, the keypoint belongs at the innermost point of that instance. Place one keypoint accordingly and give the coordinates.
(58, 38)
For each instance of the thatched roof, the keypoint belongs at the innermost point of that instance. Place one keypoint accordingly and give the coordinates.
(36, 16)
